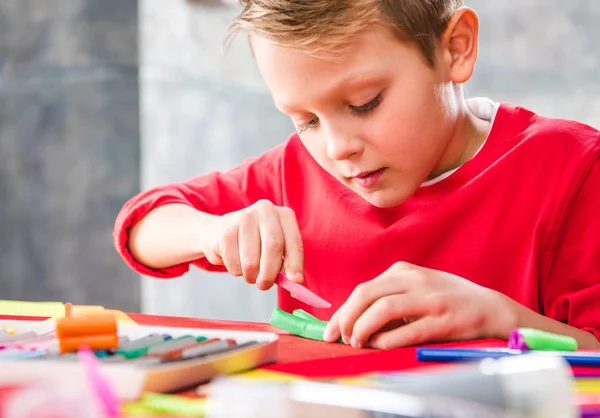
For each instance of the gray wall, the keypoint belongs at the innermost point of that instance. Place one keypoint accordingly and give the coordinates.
(69, 148)
(542, 54)
(202, 111)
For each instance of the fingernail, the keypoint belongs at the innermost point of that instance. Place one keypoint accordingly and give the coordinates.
(327, 337)
(345, 339)
(354, 342)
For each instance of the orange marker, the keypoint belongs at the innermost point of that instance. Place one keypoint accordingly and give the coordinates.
(86, 326)
(68, 309)
(94, 342)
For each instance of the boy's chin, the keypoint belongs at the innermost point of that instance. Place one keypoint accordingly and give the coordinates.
(384, 198)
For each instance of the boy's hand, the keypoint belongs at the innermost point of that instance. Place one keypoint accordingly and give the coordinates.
(410, 305)
(256, 242)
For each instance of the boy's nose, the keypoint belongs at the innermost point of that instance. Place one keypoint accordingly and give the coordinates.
(342, 146)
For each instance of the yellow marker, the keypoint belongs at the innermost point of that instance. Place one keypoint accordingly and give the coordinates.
(9, 330)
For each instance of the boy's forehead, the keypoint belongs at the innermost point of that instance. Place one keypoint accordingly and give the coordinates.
(294, 72)
(328, 87)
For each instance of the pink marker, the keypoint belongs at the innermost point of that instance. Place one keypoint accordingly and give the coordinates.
(300, 292)
(99, 384)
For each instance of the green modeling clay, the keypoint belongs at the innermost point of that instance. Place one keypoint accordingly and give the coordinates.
(300, 323)
(303, 314)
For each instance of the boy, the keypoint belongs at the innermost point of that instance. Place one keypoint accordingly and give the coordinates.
(421, 216)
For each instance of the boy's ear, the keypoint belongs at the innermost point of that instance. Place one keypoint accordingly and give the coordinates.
(460, 43)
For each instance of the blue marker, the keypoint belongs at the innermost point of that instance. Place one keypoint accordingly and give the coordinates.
(575, 358)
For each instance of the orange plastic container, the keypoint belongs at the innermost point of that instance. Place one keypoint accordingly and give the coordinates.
(90, 325)
(94, 342)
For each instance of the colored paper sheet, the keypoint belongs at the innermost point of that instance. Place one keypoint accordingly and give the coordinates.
(157, 404)
(259, 374)
(53, 310)
(22, 308)
(91, 310)
(85, 310)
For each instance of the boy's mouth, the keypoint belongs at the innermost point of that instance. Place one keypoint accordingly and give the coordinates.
(368, 179)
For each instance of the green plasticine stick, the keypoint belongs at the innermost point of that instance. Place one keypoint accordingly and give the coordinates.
(298, 324)
(303, 314)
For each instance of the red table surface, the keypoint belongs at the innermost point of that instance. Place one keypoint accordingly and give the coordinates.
(315, 358)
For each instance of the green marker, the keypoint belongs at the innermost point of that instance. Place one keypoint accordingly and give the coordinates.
(534, 339)
(140, 348)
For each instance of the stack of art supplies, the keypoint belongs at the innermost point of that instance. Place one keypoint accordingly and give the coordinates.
(134, 359)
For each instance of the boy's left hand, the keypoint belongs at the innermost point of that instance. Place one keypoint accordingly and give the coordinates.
(409, 305)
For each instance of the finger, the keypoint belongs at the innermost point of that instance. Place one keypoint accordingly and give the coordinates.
(424, 330)
(332, 330)
(293, 262)
(272, 247)
(249, 246)
(382, 312)
(365, 294)
(229, 250)
(223, 253)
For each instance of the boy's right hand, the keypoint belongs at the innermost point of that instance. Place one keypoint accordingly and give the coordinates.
(256, 242)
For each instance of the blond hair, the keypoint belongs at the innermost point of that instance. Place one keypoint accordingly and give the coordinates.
(325, 27)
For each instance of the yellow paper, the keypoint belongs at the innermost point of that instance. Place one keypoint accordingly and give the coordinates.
(259, 374)
(54, 310)
(91, 310)
(122, 317)
(21, 308)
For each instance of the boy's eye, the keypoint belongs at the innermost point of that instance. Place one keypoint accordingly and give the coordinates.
(310, 124)
(367, 106)
(362, 109)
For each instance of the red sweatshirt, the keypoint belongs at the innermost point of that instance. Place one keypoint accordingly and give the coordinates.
(522, 217)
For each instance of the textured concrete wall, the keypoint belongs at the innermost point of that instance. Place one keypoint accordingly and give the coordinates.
(201, 111)
(69, 148)
(543, 54)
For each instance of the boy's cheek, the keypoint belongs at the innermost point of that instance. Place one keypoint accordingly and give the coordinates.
(319, 152)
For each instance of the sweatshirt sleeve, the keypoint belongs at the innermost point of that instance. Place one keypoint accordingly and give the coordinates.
(216, 193)
(571, 292)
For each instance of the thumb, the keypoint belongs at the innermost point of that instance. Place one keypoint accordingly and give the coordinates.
(214, 256)
(293, 272)
(293, 255)
(211, 239)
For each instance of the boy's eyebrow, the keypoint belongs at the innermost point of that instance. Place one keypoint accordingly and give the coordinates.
(362, 79)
